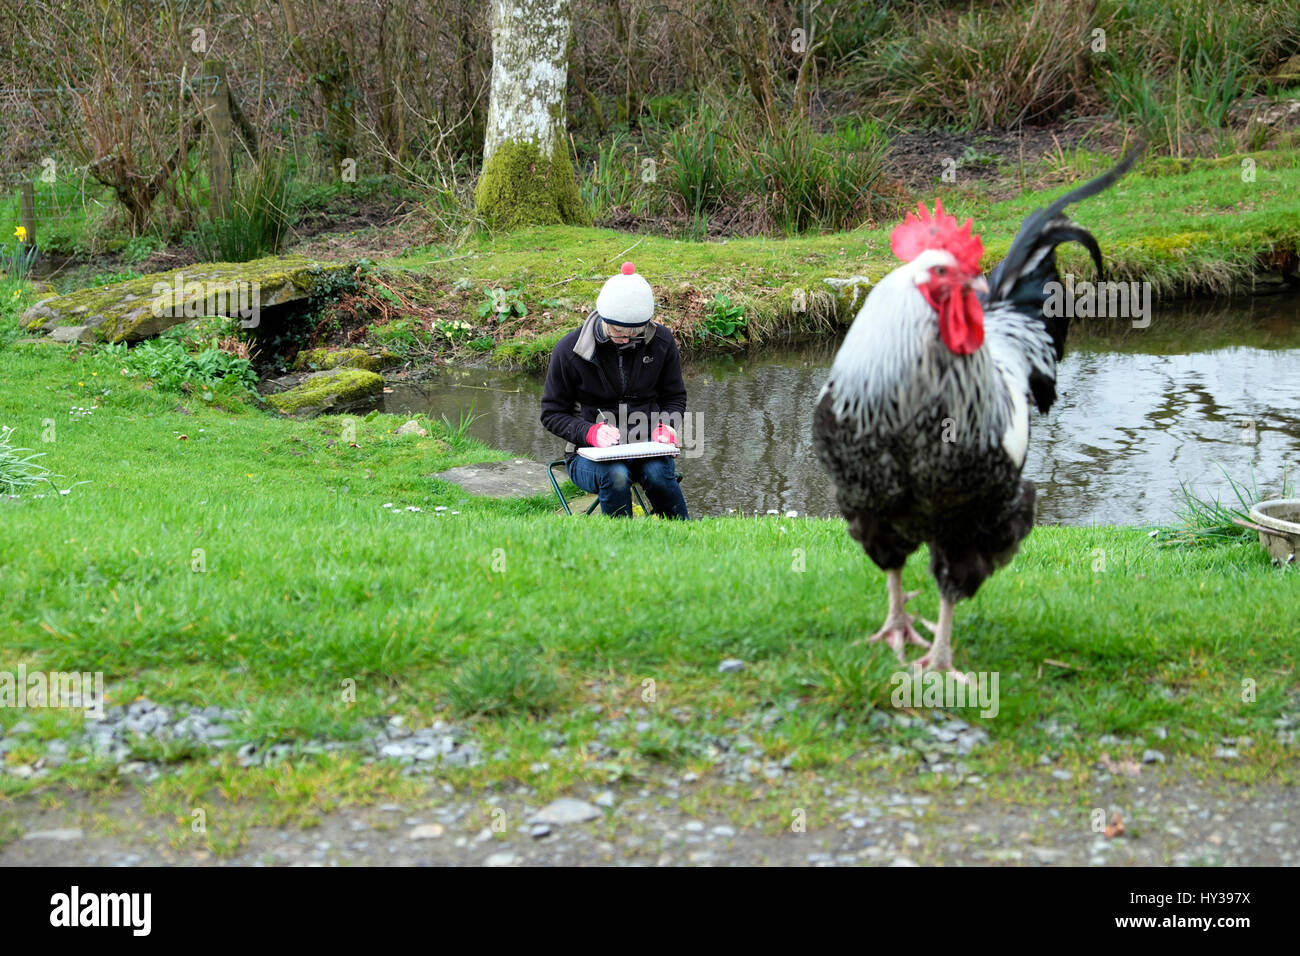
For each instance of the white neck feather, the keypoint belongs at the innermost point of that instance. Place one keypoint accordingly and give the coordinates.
(893, 366)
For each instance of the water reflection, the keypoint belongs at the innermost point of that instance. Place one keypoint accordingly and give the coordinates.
(1204, 390)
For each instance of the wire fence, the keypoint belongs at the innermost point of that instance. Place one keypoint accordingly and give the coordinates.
(199, 85)
(31, 188)
(194, 82)
(65, 172)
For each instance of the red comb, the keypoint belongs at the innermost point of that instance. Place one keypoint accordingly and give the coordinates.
(920, 232)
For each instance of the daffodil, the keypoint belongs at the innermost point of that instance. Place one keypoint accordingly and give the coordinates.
(21, 233)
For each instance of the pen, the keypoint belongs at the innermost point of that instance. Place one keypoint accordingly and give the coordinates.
(605, 420)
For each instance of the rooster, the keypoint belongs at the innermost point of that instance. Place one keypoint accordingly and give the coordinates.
(923, 424)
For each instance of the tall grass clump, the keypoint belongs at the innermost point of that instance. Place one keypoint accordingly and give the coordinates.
(811, 181)
(18, 466)
(858, 26)
(498, 683)
(720, 168)
(620, 180)
(1179, 69)
(1203, 521)
(1193, 98)
(699, 167)
(996, 66)
(257, 222)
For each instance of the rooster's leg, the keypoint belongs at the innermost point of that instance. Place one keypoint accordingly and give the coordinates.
(898, 630)
(939, 657)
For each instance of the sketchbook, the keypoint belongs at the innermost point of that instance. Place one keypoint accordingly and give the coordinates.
(636, 449)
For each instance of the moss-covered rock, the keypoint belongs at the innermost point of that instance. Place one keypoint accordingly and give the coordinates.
(325, 359)
(332, 391)
(521, 187)
(139, 308)
(322, 359)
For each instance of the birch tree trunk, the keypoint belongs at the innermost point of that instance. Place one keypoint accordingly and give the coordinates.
(527, 174)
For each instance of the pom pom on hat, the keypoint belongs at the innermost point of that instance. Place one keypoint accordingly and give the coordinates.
(626, 299)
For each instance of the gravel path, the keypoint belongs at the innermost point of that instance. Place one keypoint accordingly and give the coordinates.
(1171, 818)
(1152, 810)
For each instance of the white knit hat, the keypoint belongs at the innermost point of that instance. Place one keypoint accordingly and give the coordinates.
(626, 299)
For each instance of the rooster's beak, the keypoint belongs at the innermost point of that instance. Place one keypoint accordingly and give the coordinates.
(979, 285)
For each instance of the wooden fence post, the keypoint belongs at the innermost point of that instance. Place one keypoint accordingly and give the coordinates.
(27, 210)
(216, 109)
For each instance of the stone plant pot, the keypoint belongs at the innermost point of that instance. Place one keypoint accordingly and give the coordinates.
(1278, 524)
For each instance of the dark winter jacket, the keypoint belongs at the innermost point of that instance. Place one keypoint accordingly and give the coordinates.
(636, 388)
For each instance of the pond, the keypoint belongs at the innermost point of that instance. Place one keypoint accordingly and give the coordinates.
(1208, 391)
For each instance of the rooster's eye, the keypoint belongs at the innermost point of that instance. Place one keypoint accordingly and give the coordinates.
(941, 270)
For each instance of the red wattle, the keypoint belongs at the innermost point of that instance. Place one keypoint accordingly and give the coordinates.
(961, 322)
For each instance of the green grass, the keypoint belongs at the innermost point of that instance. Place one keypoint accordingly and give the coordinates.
(1190, 226)
(306, 581)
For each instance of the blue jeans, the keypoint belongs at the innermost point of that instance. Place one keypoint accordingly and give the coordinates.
(611, 481)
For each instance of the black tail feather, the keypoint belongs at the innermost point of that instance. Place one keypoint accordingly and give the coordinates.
(1029, 290)
(1022, 277)
(1027, 239)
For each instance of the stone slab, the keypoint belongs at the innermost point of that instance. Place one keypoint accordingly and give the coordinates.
(512, 478)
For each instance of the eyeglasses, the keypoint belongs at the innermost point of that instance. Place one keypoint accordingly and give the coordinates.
(623, 333)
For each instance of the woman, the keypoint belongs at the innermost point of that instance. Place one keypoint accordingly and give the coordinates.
(614, 380)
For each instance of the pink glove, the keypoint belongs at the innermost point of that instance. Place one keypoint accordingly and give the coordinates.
(601, 435)
(665, 434)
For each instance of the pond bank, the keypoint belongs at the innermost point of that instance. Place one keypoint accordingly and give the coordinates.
(1190, 228)
(1200, 395)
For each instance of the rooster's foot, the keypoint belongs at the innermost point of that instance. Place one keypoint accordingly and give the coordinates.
(898, 634)
(932, 662)
(898, 631)
(939, 657)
